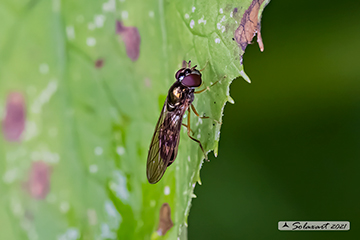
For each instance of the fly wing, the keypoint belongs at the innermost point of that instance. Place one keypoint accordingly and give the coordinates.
(164, 144)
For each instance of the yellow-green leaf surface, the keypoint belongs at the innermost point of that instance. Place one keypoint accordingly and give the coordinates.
(82, 84)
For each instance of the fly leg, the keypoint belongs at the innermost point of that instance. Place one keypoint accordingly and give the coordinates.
(194, 139)
(192, 132)
(208, 88)
(188, 65)
(196, 113)
(202, 117)
(207, 62)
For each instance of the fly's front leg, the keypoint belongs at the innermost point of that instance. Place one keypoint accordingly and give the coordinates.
(207, 62)
(194, 139)
(208, 88)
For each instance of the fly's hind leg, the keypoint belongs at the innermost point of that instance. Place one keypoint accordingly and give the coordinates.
(194, 139)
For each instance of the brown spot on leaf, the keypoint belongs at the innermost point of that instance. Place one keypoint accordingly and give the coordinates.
(165, 223)
(131, 38)
(13, 124)
(38, 184)
(249, 26)
(99, 63)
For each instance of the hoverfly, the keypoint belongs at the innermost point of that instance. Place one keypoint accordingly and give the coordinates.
(165, 141)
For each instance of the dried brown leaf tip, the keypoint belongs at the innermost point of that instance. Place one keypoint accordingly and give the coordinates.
(249, 26)
(131, 38)
(13, 124)
(165, 223)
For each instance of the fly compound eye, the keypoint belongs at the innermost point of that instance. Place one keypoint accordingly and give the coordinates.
(192, 80)
(179, 73)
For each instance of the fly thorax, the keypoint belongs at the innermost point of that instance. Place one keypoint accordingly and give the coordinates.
(174, 98)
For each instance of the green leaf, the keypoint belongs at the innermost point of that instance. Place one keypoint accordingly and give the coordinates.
(87, 81)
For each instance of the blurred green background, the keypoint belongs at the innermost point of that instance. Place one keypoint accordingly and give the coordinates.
(290, 146)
